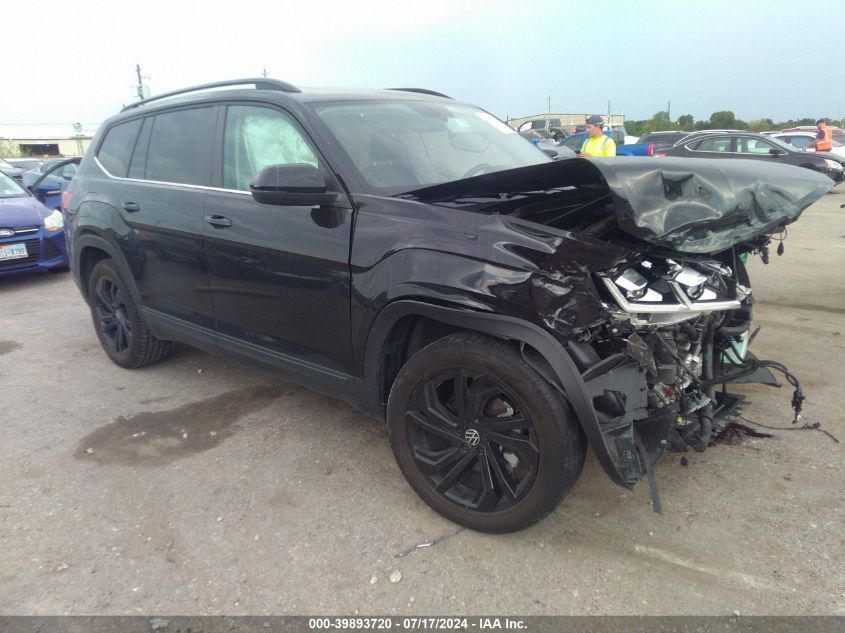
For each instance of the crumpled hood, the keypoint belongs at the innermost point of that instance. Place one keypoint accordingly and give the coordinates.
(699, 205)
(692, 205)
(19, 212)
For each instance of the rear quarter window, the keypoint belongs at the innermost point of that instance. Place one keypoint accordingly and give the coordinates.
(117, 147)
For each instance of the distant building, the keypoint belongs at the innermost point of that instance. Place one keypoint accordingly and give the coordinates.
(49, 146)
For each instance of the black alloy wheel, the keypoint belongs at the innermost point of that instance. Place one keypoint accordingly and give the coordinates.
(121, 329)
(112, 316)
(481, 436)
(469, 436)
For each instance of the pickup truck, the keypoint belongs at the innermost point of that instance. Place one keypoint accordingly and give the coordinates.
(576, 141)
(539, 129)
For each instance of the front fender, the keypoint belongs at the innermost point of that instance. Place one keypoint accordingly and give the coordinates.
(616, 453)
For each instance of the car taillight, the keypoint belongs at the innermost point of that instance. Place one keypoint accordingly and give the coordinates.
(65, 203)
(660, 153)
(650, 149)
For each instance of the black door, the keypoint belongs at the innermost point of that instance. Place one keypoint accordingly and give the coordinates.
(161, 198)
(761, 149)
(279, 275)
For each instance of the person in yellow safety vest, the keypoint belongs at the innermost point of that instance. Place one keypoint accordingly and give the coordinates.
(597, 143)
(824, 137)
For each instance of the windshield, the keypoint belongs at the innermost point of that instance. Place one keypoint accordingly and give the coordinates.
(5, 165)
(10, 189)
(400, 146)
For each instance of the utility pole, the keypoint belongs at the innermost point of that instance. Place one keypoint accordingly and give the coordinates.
(141, 91)
(669, 110)
(264, 72)
(77, 132)
(140, 82)
(608, 111)
(549, 102)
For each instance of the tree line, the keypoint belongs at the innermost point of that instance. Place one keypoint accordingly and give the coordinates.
(722, 120)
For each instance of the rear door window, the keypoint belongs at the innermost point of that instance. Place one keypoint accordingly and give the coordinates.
(180, 146)
(717, 144)
(117, 147)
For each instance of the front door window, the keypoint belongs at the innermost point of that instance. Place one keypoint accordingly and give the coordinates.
(256, 138)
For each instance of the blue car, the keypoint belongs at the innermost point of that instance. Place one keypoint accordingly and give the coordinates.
(10, 170)
(32, 236)
(60, 170)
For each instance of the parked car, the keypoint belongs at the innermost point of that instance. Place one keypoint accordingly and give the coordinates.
(805, 141)
(7, 169)
(31, 235)
(663, 139)
(837, 133)
(60, 177)
(755, 147)
(538, 129)
(25, 163)
(555, 150)
(416, 258)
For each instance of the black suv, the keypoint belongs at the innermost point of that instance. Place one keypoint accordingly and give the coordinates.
(417, 258)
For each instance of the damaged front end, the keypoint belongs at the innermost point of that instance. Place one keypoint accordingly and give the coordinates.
(673, 329)
(645, 286)
(678, 308)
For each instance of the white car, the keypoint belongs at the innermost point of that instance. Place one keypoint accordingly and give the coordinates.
(801, 140)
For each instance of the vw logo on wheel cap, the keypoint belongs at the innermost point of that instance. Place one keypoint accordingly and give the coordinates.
(472, 437)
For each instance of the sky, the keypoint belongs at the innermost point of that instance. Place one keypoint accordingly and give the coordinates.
(778, 59)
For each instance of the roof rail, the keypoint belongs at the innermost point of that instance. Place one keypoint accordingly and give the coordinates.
(423, 91)
(260, 83)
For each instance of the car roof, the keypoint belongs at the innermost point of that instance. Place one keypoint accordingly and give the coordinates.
(274, 88)
(730, 133)
(678, 133)
(268, 90)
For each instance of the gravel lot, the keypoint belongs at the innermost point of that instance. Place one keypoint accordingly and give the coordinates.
(202, 487)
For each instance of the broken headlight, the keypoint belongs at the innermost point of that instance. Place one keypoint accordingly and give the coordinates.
(666, 291)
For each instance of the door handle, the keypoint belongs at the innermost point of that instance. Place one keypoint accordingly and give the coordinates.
(218, 221)
(131, 207)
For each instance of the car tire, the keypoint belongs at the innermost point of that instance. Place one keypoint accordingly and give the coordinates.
(119, 325)
(481, 436)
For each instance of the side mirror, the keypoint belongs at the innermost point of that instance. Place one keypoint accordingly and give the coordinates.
(297, 184)
(776, 152)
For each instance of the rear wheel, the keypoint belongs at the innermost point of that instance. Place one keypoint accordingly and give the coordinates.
(117, 321)
(481, 436)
